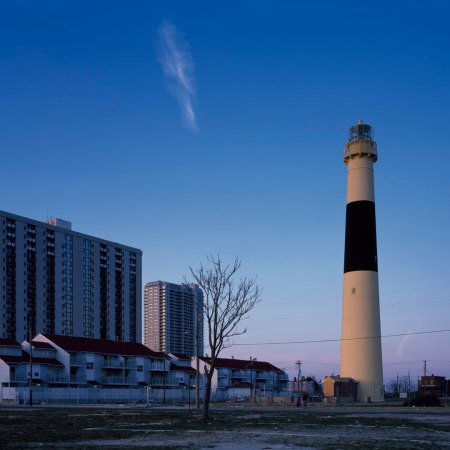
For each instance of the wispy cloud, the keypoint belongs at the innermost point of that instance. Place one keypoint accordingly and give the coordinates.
(178, 67)
(400, 350)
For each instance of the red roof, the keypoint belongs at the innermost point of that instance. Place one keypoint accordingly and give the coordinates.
(242, 364)
(338, 379)
(9, 343)
(174, 367)
(25, 358)
(15, 359)
(88, 345)
(49, 361)
(38, 344)
(181, 356)
(243, 385)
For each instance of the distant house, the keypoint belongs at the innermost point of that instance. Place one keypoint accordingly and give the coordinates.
(306, 385)
(252, 377)
(338, 389)
(433, 385)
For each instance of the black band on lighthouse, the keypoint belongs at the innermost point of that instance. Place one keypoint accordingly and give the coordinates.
(360, 237)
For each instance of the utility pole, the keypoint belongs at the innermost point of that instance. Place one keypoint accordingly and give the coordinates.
(409, 388)
(250, 366)
(164, 386)
(299, 373)
(197, 363)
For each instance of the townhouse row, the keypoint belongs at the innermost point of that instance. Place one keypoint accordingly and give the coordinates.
(247, 378)
(56, 361)
(67, 361)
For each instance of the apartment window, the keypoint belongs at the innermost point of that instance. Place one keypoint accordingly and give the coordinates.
(87, 289)
(68, 282)
(89, 365)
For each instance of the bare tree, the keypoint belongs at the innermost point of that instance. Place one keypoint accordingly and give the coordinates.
(226, 303)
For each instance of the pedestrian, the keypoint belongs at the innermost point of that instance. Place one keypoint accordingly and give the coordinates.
(305, 399)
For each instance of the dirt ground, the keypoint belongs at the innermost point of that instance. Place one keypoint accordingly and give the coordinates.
(238, 428)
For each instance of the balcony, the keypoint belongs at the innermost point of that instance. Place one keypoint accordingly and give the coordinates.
(64, 379)
(119, 365)
(77, 361)
(129, 364)
(113, 379)
(239, 374)
(159, 368)
(77, 379)
(262, 376)
(18, 378)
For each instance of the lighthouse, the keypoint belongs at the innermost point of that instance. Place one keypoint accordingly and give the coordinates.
(361, 332)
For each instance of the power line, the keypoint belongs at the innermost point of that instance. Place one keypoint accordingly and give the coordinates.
(401, 363)
(334, 299)
(389, 309)
(346, 339)
(415, 289)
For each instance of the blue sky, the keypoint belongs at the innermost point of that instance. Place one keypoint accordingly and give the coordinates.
(187, 128)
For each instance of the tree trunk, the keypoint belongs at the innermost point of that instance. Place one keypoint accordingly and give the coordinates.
(209, 376)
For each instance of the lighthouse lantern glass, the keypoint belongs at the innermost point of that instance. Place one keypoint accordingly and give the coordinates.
(360, 132)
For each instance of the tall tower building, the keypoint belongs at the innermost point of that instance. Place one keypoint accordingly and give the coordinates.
(173, 318)
(361, 342)
(59, 281)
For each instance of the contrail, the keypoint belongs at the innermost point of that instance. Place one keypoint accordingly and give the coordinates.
(178, 67)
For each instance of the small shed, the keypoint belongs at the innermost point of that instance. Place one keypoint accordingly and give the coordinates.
(340, 389)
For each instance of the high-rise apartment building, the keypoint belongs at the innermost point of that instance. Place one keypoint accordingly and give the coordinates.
(173, 317)
(58, 281)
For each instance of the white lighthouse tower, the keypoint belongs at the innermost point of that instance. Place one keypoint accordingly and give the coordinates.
(361, 342)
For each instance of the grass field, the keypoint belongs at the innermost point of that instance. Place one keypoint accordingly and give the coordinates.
(229, 428)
